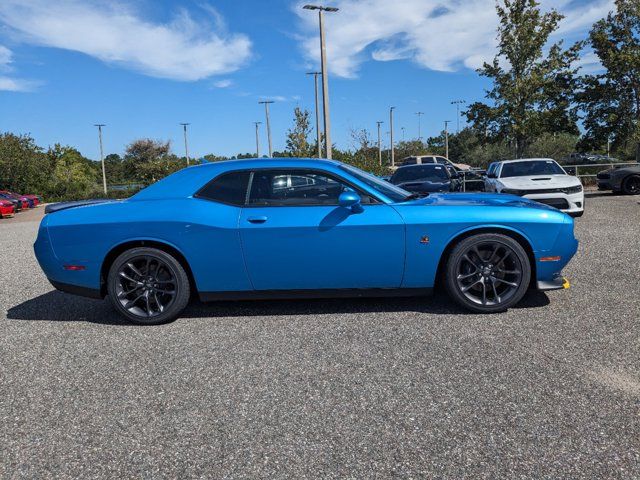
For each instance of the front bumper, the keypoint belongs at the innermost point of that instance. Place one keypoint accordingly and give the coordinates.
(557, 283)
(568, 203)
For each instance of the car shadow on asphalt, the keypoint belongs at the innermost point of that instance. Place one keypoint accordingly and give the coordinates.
(58, 306)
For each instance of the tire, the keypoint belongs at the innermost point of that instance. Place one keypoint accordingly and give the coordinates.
(631, 185)
(148, 286)
(487, 273)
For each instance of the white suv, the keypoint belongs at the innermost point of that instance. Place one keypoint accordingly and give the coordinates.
(539, 179)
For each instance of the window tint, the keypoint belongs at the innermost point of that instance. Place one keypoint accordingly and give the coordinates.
(295, 187)
(530, 168)
(230, 188)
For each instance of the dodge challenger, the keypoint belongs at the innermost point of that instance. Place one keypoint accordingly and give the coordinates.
(291, 228)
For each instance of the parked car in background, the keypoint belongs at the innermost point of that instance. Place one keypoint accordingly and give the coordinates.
(620, 179)
(422, 159)
(17, 204)
(582, 159)
(25, 201)
(427, 178)
(245, 229)
(7, 209)
(539, 179)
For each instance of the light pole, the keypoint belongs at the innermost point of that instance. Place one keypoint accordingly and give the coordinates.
(403, 129)
(325, 75)
(104, 173)
(257, 139)
(315, 81)
(419, 114)
(457, 103)
(379, 144)
(266, 112)
(393, 161)
(446, 138)
(186, 145)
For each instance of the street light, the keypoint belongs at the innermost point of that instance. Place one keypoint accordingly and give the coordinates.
(457, 103)
(403, 129)
(393, 161)
(325, 75)
(446, 138)
(104, 173)
(186, 146)
(266, 112)
(419, 114)
(379, 144)
(257, 139)
(315, 81)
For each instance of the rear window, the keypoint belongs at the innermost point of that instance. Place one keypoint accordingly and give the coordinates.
(229, 188)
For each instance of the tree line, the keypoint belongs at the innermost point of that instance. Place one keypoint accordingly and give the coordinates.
(539, 105)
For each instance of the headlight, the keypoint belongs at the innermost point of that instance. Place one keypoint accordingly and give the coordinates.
(511, 191)
(569, 190)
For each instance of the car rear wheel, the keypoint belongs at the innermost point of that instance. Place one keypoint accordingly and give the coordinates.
(148, 286)
(631, 185)
(487, 273)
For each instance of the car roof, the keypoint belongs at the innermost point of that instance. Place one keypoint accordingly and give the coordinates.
(188, 180)
(420, 165)
(527, 160)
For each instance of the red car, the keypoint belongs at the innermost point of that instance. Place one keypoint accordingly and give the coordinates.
(6, 209)
(26, 201)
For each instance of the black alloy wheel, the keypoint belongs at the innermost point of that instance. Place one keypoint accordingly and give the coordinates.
(631, 185)
(148, 286)
(488, 272)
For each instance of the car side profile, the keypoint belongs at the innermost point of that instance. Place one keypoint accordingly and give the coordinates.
(624, 179)
(282, 228)
(539, 179)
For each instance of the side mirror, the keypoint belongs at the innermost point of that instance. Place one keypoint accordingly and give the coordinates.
(350, 200)
(491, 175)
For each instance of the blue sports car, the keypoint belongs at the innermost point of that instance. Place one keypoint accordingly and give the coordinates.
(282, 228)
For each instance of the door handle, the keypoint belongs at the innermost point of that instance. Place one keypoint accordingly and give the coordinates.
(260, 219)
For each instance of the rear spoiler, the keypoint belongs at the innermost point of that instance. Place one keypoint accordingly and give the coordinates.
(56, 207)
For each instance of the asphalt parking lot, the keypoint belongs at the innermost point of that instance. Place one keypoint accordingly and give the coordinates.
(407, 388)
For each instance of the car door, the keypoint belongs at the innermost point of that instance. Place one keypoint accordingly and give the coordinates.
(490, 178)
(295, 236)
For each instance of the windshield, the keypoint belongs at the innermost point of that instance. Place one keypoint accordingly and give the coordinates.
(530, 168)
(387, 189)
(430, 173)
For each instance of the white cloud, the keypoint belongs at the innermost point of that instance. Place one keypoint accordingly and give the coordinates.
(183, 49)
(437, 35)
(9, 83)
(224, 83)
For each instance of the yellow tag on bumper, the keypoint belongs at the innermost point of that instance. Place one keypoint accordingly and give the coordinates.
(565, 283)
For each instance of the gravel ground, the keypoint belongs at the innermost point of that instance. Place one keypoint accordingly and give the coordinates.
(348, 388)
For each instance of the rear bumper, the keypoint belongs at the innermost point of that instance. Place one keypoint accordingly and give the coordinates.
(76, 290)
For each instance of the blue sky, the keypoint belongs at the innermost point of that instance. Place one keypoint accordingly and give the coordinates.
(144, 66)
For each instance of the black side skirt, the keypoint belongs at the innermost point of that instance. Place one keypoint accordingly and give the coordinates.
(321, 293)
(76, 290)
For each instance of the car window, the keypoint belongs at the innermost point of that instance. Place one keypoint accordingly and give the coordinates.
(428, 173)
(442, 160)
(229, 188)
(529, 168)
(297, 188)
(410, 161)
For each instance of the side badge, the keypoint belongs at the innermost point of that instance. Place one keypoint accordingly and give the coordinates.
(424, 239)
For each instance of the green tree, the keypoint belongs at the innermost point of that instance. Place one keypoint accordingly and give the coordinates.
(611, 100)
(532, 91)
(72, 176)
(298, 136)
(23, 165)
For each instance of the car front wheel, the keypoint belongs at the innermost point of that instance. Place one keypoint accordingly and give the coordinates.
(148, 286)
(631, 185)
(487, 272)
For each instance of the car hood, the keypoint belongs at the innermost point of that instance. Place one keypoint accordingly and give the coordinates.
(540, 181)
(478, 199)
